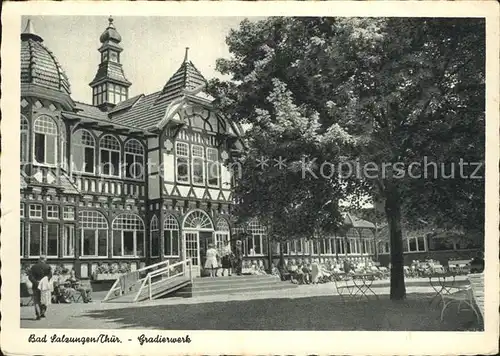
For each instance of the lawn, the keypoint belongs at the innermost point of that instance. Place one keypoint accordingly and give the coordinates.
(311, 313)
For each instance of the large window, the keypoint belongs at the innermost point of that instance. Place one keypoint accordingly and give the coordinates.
(134, 160)
(110, 156)
(116, 93)
(257, 242)
(339, 245)
(198, 164)
(68, 241)
(213, 168)
(35, 239)
(182, 161)
(52, 240)
(155, 237)
(24, 139)
(83, 153)
(128, 235)
(171, 236)
(417, 244)
(45, 140)
(94, 227)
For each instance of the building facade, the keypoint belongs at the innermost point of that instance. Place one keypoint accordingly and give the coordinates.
(130, 181)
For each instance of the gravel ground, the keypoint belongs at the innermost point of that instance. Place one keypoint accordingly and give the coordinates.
(303, 308)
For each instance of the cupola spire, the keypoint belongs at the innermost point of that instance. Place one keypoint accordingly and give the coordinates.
(110, 86)
(186, 55)
(29, 32)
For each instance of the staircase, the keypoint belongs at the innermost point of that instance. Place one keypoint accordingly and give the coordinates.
(151, 282)
(233, 285)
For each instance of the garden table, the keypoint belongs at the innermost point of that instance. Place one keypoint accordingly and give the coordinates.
(354, 285)
(442, 283)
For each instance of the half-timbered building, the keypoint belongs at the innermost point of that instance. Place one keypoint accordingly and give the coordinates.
(128, 181)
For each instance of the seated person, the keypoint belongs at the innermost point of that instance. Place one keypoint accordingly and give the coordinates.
(275, 271)
(85, 291)
(261, 267)
(63, 291)
(306, 269)
(284, 271)
(246, 267)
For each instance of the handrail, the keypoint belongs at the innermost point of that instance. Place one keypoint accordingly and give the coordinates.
(117, 285)
(187, 263)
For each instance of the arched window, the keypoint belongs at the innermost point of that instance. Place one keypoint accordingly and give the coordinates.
(25, 128)
(94, 228)
(221, 233)
(257, 242)
(198, 220)
(83, 152)
(45, 140)
(155, 237)
(171, 235)
(110, 155)
(134, 159)
(128, 235)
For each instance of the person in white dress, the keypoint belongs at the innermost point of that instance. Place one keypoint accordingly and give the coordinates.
(211, 262)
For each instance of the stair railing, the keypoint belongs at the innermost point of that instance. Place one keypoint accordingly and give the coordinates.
(117, 286)
(166, 277)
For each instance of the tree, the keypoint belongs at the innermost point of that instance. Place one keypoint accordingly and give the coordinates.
(386, 94)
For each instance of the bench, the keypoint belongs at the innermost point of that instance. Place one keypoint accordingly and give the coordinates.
(477, 287)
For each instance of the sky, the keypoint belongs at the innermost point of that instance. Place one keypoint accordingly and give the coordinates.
(153, 47)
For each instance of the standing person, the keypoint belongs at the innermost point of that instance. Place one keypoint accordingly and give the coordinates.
(226, 258)
(239, 258)
(211, 262)
(37, 272)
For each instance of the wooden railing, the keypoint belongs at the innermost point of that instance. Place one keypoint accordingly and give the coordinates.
(130, 279)
(164, 275)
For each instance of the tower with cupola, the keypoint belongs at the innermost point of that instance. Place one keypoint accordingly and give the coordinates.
(109, 86)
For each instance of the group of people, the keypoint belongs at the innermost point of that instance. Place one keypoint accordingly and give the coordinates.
(314, 270)
(224, 259)
(60, 286)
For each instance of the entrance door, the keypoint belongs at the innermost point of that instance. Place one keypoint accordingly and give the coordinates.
(192, 250)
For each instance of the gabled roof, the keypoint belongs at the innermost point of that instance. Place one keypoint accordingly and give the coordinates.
(187, 78)
(355, 222)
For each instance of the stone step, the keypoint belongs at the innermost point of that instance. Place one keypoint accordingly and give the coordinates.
(186, 292)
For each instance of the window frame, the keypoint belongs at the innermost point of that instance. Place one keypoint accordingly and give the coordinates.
(54, 214)
(57, 227)
(65, 215)
(109, 150)
(24, 139)
(171, 225)
(31, 206)
(128, 223)
(98, 219)
(210, 162)
(54, 136)
(178, 156)
(30, 234)
(72, 239)
(128, 151)
(83, 146)
(199, 161)
(154, 228)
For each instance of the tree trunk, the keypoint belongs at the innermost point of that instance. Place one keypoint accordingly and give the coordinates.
(393, 214)
(282, 256)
